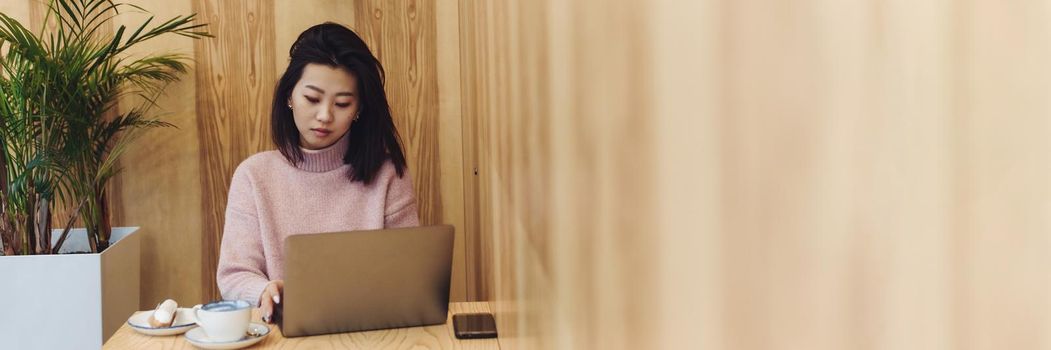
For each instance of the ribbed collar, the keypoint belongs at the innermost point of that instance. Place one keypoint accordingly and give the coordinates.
(325, 159)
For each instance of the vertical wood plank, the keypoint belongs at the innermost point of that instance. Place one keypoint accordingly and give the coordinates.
(402, 35)
(19, 10)
(450, 137)
(556, 124)
(687, 98)
(159, 189)
(293, 17)
(471, 64)
(1003, 130)
(234, 89)
(37, 11)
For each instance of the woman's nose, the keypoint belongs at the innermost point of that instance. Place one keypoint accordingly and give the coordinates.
(324, 114)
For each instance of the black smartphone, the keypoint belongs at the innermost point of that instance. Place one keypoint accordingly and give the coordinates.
(474, 326)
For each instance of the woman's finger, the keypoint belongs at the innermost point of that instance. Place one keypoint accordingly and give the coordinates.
(266, 306)
(275, 290)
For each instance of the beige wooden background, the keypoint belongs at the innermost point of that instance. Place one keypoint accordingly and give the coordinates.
(743, 174)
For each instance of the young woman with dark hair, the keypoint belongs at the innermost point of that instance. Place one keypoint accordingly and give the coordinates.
(339, 164)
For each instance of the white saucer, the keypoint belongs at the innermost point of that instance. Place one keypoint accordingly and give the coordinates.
(198, 339)
(184, 320)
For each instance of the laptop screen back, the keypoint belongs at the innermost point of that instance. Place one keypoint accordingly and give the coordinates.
(364, 280)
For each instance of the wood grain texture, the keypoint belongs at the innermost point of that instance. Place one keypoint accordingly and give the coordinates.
(19, 10)
(815, 175)
(687, 62)
(293, 17)
(429, 337)
(403, 35)
(554, 118)
(472, 65)
(235, 82)
(159, 189)
(477, 61)
(37, 11)
(450, 140)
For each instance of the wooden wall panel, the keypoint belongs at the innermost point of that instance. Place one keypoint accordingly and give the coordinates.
(686, 60)
(402, 35)
(293, 17)
(727, 174)
(1002, 211)
(19, 10)
(473, 103)
(159, 190)
(235, 82)
(556, 125)
(450, 142)
(490, 253)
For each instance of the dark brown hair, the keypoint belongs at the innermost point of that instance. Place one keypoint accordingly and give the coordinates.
(373, 138)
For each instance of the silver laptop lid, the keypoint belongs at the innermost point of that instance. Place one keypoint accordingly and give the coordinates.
(363, 280)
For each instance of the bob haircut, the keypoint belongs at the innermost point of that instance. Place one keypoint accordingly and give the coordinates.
(373, 138)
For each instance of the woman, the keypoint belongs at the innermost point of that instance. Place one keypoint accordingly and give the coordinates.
(339, 165)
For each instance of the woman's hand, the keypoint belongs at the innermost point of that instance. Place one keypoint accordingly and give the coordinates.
(270, 298)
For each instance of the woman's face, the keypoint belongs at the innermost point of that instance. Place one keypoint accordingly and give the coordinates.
(324, 103)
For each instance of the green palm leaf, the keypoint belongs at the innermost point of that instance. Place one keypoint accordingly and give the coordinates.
(59, 135)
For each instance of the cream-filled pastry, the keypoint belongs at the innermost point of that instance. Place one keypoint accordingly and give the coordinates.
(164, 315)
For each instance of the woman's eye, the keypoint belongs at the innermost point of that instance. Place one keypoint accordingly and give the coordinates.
(311, 99)
(343, 105)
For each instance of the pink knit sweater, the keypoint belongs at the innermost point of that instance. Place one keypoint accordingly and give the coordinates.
(271, 199)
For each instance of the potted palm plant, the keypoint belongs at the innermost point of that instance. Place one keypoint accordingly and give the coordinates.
(60, 137)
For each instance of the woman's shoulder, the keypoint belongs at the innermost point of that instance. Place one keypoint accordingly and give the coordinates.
(389, 171)
(387, 176)
(261, 163)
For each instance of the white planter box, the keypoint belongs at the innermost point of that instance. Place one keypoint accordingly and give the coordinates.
(69, 301)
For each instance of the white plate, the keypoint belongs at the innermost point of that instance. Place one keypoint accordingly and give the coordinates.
(184, 320)
(199, 339)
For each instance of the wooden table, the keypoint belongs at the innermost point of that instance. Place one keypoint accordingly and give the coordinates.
(430, 337)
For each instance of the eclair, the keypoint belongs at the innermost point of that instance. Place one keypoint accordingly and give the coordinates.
(164, 315)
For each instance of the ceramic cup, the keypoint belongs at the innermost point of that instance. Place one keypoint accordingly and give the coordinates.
(224, 321)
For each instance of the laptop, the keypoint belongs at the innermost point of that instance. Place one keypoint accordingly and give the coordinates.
(365, 280)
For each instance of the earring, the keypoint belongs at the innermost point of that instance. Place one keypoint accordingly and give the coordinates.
(290, 106)
(356, 116)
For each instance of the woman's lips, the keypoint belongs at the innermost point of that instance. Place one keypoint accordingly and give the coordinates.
(321, 132)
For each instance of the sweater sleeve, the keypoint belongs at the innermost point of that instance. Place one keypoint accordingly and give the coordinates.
(241, 272)
(401, 203)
